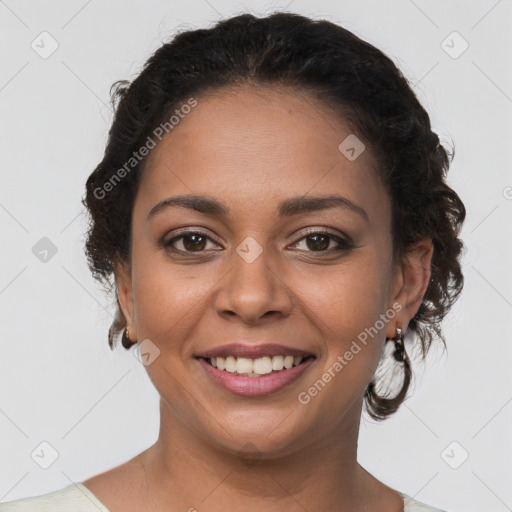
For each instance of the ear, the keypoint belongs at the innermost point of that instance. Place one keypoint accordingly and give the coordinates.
(411, 277)
(123, 278)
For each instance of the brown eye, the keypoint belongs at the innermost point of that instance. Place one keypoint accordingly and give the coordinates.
(318, 242)
(190, 241)
(194, 242)
(321, 242)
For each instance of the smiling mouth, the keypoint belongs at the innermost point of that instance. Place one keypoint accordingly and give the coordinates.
(259, 367)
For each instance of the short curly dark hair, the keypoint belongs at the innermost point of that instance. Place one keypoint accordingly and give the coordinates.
(351, 77)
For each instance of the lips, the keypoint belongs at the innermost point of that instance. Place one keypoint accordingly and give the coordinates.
(254, 351)
(252, 385)
(255, 386)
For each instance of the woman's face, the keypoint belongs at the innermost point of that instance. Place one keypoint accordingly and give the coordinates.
(268, 262)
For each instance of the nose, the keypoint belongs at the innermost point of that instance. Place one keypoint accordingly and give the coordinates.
(253, 292)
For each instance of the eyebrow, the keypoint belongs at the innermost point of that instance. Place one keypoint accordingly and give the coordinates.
(287, 208)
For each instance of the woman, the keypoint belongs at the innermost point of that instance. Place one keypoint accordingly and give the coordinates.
(272, 205)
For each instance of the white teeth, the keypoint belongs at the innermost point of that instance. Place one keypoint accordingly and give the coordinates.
(262, 365)
(254, 367)
(230, 364)
(277, 363)
(243, 365)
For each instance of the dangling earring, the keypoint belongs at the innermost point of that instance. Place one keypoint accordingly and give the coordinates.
(399, 353)
(380, 406)
(125, 339)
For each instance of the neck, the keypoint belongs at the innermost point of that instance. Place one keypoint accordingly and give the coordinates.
(184, 471)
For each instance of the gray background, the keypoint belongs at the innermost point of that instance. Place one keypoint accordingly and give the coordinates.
(59, 381)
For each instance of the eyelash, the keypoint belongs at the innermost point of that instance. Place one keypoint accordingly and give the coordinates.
(343, 245)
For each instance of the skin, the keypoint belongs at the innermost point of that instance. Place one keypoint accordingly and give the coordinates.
(250, 149)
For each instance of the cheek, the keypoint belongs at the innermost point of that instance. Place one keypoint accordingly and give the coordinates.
(167, 298)
(349, 305)
(347, 299)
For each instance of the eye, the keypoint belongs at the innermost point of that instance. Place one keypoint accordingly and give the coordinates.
(191, 241)
(315, 241)
(320, 241)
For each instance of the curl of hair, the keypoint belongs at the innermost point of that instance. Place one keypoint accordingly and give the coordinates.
(353, 79)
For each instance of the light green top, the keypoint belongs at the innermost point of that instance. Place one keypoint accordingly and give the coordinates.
(78, 498)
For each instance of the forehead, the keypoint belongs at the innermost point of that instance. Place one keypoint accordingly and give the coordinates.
(257, 146)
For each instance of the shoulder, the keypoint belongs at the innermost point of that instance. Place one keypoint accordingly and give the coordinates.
(413, 505)
(75, 497)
